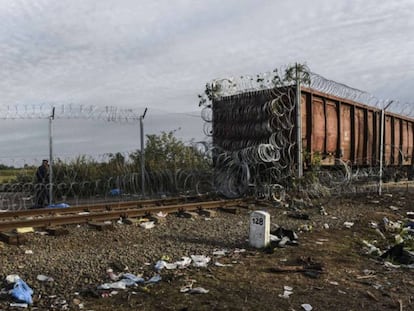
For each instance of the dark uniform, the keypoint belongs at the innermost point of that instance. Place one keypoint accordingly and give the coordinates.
(42, 179)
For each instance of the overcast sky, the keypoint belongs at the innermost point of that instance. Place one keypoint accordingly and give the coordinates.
(160, 54)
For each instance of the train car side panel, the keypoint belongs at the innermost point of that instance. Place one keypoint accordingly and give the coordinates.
(345, 132)
(370, 137)
(387, 140)
(359, 136)
(331, 127)
(410, 142)
(396, 141)
(318, 126)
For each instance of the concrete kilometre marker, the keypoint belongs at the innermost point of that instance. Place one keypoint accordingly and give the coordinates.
(259, 235)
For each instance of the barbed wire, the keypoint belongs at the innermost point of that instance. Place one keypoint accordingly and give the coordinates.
(278, 78)
(109, 176)
(70, 111)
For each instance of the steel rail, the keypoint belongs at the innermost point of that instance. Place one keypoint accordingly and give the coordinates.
(55, 220)
(94, 207)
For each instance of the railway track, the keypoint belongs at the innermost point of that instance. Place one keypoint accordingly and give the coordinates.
(52, 217)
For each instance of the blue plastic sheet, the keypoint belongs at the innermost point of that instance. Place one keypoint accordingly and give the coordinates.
(60, 205)
(22, 292)
(115, 192)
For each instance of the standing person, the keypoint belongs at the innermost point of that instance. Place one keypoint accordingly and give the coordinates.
(42, 179)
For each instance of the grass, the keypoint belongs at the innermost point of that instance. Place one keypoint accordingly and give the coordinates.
(10, 174)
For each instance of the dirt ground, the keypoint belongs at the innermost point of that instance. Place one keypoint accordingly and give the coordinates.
(350, 278)
(343, 275)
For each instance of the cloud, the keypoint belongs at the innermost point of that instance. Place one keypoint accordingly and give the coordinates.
(159, 54)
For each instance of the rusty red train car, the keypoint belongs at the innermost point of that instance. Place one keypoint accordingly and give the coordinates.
(338, 128)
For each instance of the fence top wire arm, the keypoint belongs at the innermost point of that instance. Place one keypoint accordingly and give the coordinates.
(69, 111)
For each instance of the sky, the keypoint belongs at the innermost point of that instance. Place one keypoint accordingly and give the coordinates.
(160, 54)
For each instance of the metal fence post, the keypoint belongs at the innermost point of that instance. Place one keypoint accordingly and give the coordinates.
(141, 123)
(299, 123)
(51, 118)
(382, 146)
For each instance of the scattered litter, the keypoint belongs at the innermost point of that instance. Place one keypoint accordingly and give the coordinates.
(21, 291)
(373, 225)
(348, 224)
(195, 290)
(218, 264)
(394, 208)
(287, 291)
(161, 264)
(222, 252)
(200, 260)
(368, 272)
(28, 252)
(378, 231)
(398, 239)
(59, 205)
(155, 279)
(371, 249)
(274, 238)
(305, 228)
(239, 250)
(186, 288)
(19, 305)
(283, 241)
(326, 226)
(133, 277)
(114, 285)
(83, 213)
(390, 265)
(377, 286)
(112, 275)
(147, 225)
(391, 226)
(165, 257)
(334, 283)
(12, 278)
(185, 262)
(323, 211)
(44, 278)
(161, 214)
(306, 307)
(284, 237)
(25, 230)
(115, 192)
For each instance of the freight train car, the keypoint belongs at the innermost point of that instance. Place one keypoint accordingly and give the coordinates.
(255, 136)
(338, 128)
